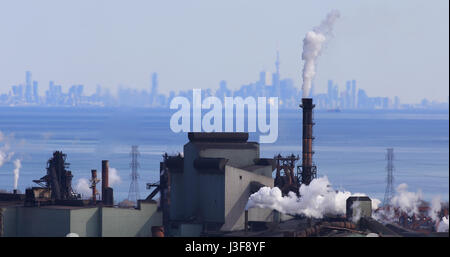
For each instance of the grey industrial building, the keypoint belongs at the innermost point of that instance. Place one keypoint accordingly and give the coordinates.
(208, 190)
(91, 221)
(210, 185)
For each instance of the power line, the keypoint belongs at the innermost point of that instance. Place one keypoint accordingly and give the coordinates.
(390, 177)
(133, 193)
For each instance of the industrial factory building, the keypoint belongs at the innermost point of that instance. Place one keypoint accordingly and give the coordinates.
(204, 191)
(210, 185)
(55, 210)
(90, 221)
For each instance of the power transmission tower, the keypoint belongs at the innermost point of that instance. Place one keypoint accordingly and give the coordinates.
(133, 194)
(390, 177)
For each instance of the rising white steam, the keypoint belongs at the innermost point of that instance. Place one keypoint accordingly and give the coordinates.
(317, 199)
(433, 213)
(82, 187)
(407, 202)
(17, 166)
(443, 225)
(404, 201)
(312, 47)
(5, 147)
(357, 216)
(114, 177)
(435, 208)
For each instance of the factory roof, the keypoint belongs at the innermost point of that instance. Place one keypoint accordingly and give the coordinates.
(225, 145)
(224, 137)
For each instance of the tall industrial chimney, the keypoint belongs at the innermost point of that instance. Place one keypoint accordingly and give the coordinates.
(94, 182)
(105, 178)
(308, 169)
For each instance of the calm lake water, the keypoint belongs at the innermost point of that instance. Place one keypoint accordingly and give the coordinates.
(350, 146)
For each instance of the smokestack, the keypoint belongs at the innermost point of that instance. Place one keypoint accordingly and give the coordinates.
(94, 181)
(308, 169)
(105, 178)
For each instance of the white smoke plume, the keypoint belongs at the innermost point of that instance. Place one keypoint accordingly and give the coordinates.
(5, 148)
(409, 202)
(317, 199)
(83, 187)
(114, 177)
(312, 47)
(435, 208)
(356, 217)
(17, 165)
(406, 201)
(443, 225)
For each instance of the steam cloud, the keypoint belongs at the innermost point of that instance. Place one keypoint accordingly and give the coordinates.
(317, 199)
(409, 202)
(443, 225)
(357, 216)
(17, 165)
(435, 208)
(82, 187)
(406, 201)
(5, 153)
(114, 177)
(312, 46)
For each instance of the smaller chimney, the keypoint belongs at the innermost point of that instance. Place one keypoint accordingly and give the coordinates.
(105, 178)
(94, 182)
(15, 191)
(308, 172)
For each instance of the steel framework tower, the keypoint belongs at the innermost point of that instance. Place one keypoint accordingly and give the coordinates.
(133, 193)
(390, 177)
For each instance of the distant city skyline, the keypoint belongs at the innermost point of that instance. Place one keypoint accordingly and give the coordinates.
(391, 48)
(268, 85)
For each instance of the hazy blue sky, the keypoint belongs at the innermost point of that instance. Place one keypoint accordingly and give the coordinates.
(389, 47)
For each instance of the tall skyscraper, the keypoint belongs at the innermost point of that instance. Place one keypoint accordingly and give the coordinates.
(396, 102)
(154, 90)
(353, 95)
(276, 75)
(35, 92)
(262, 78)
(362, 99)
(330, 94)
(333, 95)
(348, 97)
(28, 89)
